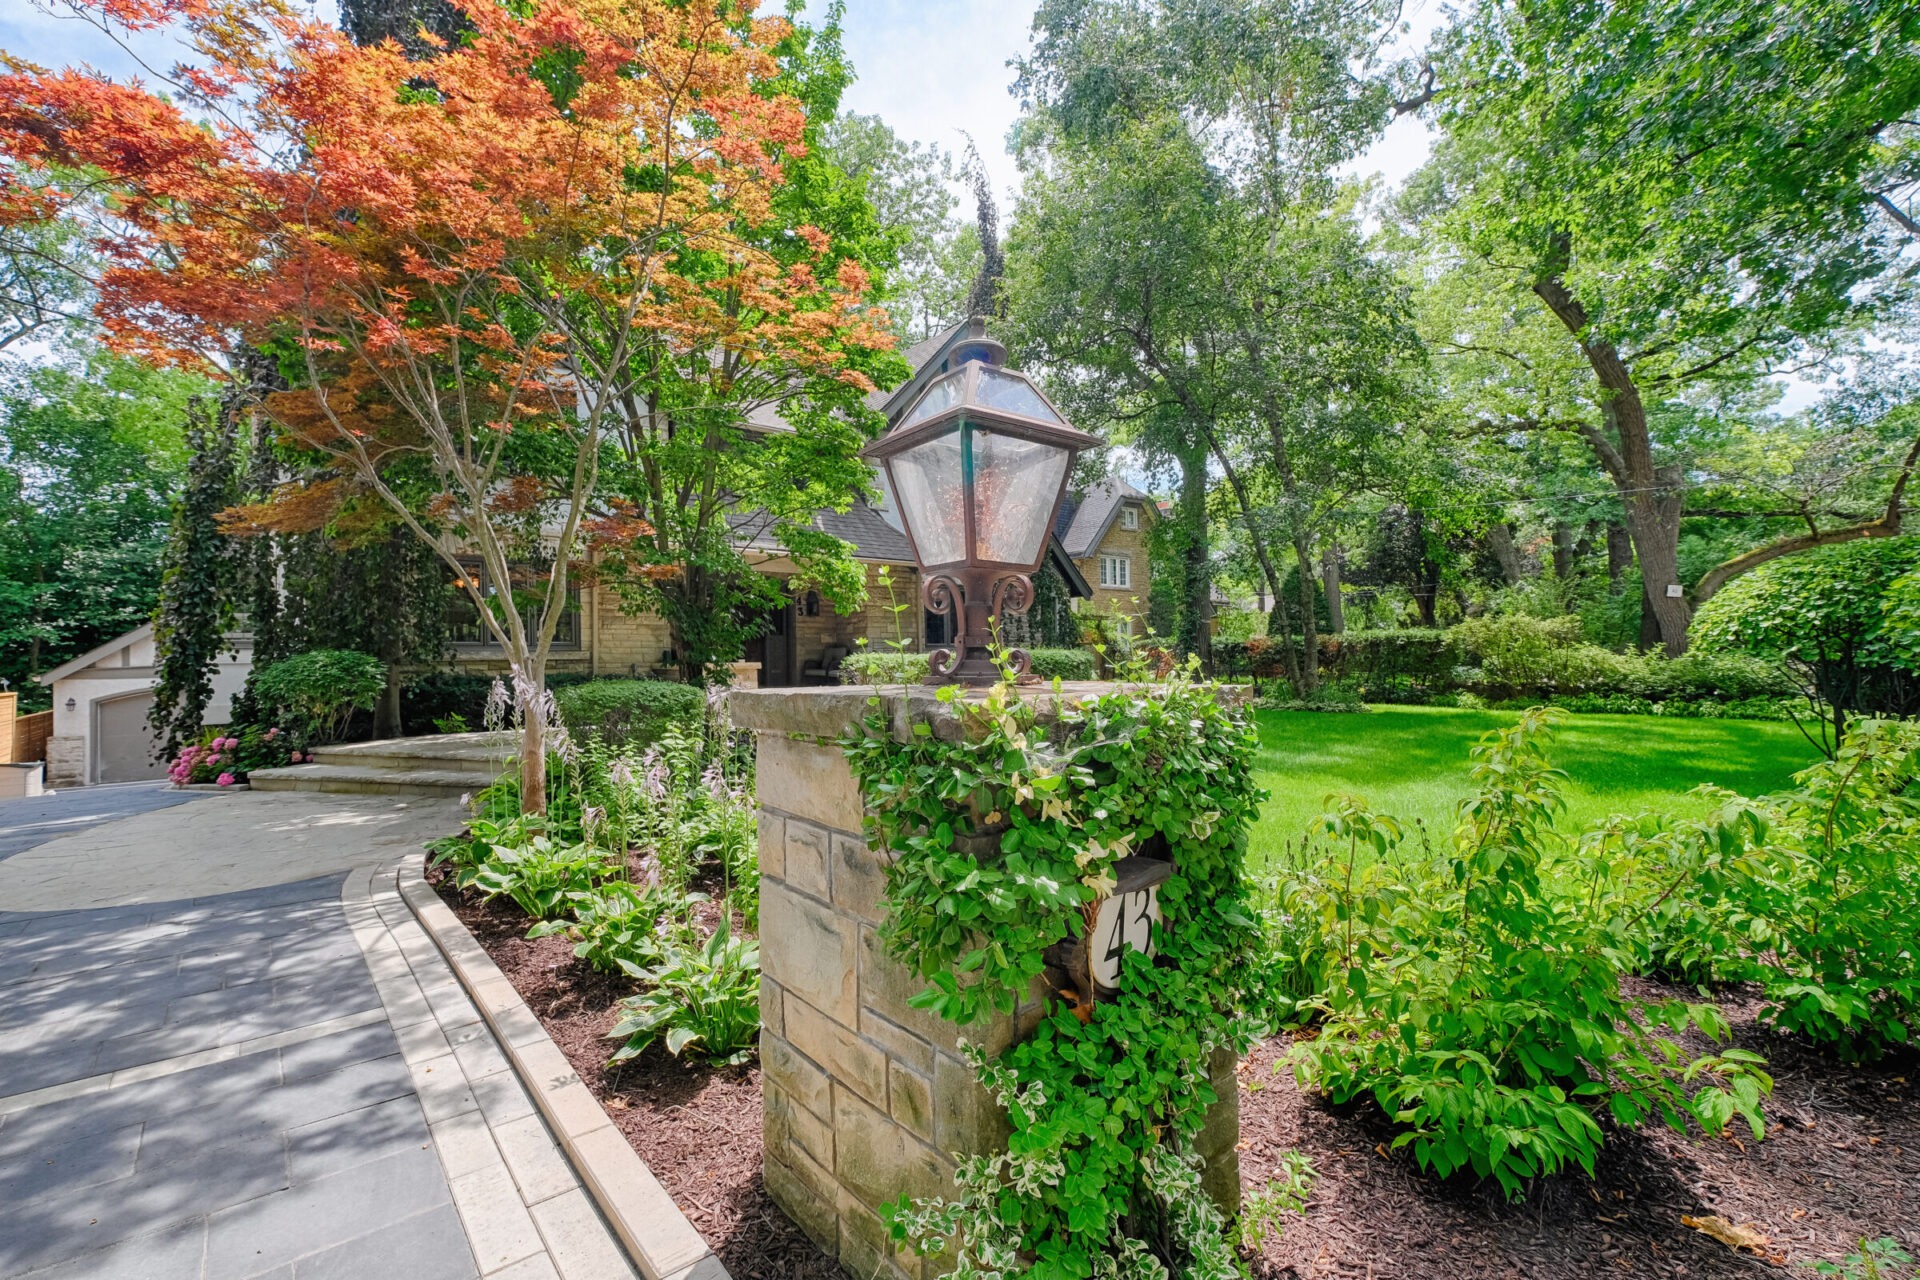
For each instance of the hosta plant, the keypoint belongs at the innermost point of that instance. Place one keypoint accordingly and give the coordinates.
(702, 1001)
(615, 926)
(1480, 1005)
(540, 876)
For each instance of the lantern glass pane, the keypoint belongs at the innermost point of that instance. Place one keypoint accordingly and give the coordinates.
(928, 481)
(938, 398)
(1013, 394)
(1015, 485)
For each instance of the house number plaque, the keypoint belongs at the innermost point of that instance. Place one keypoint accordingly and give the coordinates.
(1118, 923)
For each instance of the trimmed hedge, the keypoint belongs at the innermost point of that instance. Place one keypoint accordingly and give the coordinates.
(911, 668)
(435, 695)
(631, 713)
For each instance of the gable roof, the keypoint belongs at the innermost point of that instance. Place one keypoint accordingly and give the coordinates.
(93, 655)
(1085, 517)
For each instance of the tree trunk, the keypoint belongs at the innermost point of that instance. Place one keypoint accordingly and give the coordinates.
(1649, 624)
(386, 712)
(1330, 584)
(1619, 555)
(1500, 542)
(1651, 494)
(533, 744)
(1562, 550)
(1196, 617)
(1309, 625)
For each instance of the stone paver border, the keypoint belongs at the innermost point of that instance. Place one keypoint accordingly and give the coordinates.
(525, 1213)
(656, 1234)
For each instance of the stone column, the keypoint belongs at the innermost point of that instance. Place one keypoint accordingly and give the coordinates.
(867, 1099)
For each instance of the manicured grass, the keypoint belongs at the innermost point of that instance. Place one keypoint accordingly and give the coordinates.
(1411, 762)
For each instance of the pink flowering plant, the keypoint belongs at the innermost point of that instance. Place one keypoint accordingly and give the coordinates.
(225, 755)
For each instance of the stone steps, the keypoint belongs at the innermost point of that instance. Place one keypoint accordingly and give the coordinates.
(362, 780)
(450, 764)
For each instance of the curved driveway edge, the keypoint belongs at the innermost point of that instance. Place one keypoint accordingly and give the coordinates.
(656, 1233)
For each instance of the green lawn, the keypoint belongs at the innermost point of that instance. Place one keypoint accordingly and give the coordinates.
(1411, 762)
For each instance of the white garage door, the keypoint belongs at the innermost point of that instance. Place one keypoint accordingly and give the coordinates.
(123, 742)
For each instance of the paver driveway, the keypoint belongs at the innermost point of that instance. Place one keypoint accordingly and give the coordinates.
(200, 1076)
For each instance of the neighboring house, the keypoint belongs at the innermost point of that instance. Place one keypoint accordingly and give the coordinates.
(1104, 530)
(1098, 548)
(100, 705)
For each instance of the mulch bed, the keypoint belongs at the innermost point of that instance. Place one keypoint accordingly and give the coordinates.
(1841, 1161)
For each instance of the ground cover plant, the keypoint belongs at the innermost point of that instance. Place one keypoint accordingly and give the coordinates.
(1105, 1101)
(1407, 761)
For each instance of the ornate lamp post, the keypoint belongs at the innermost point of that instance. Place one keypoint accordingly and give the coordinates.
(978, 466)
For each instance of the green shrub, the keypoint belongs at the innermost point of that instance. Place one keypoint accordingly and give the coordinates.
(320, 690)
(629, 712)
(1521, 656)
(1394, 663)
(872, 666)
(1062, 664)
(540, 876)
(615, 927)
(706, 1001)
(1823, 899)
(1478, 1001)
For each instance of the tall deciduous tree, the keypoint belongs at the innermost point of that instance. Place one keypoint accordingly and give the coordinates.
(496, 271)
(1691, 190)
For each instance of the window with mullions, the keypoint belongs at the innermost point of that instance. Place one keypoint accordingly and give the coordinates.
(468, 629)
(1116, 571)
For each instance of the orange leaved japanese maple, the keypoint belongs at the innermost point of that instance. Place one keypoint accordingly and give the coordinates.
(474, 267)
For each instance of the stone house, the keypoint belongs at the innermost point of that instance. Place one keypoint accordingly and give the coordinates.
(1098, 548)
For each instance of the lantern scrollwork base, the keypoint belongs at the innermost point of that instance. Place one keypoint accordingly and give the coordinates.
(975, 598)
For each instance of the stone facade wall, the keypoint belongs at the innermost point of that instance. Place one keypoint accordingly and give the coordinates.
(866, 1098)
(66, 762)
(1131, 543)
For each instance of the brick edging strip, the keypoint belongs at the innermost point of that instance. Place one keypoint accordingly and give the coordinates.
(656, 1234)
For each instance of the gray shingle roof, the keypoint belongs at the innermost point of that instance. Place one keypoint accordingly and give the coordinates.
(1093, 511)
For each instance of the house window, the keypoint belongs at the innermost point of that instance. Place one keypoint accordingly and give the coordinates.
(467, 628)
(1129, 518)
(1116, 571)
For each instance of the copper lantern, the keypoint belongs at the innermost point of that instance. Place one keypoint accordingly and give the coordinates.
(978, 467)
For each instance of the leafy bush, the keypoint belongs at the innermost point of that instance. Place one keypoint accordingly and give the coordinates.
(430, 697)
(1062, 664)
(1841, 620)
(1822, 902)
(1389, 663)
(628, 712)
(1478, 1003)
(320, 690)
(539, 875)
(1521, 655)
(871, 666)
(615, 927)
(705, 1000)
(225, 757)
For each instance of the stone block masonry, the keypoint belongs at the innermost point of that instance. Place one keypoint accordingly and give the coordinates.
(867, 1099)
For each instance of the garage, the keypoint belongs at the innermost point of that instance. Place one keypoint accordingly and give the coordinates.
(123, 741)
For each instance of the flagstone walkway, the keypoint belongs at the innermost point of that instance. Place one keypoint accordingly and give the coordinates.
(228, 1051)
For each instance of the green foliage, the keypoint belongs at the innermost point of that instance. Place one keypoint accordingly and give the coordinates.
(615, 927)
(631, 713)
(191, 619)
(1881, 1259)
(703, 1001)
(321, 689)
(1477, 1001)
(1103, 1112)
(1396, 662)
(1817, 898)
(90, 458)
(540, 876)
(1263, 1213)
(1841, 619)
(871, 666)
(1062, 664)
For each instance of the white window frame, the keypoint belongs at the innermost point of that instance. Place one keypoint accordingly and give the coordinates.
(1130, 518)
(1116, 572)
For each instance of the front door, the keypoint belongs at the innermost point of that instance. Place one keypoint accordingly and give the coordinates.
(776, 648)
